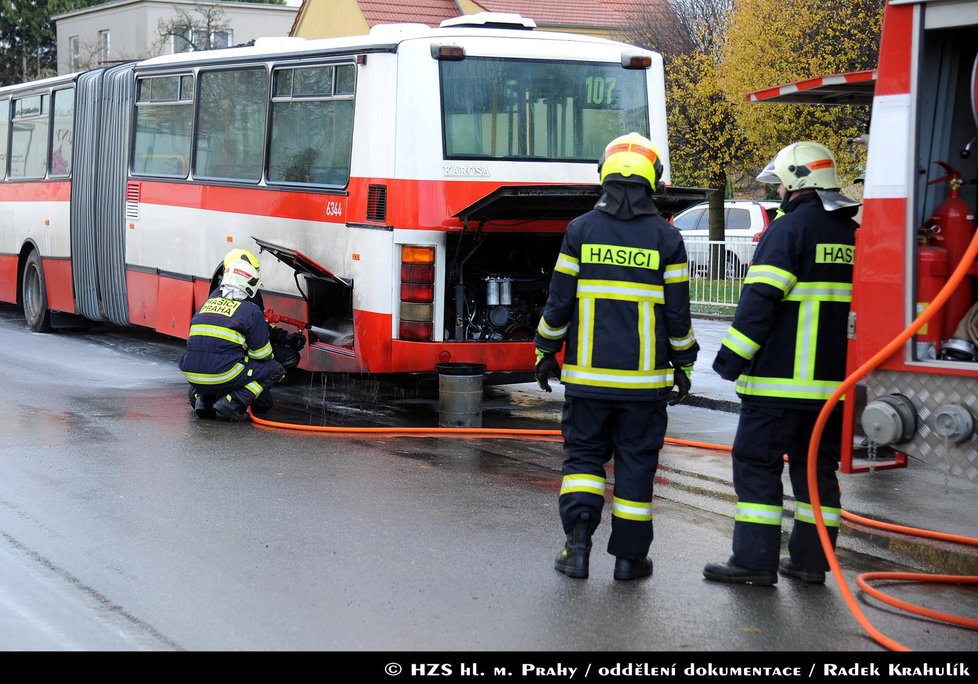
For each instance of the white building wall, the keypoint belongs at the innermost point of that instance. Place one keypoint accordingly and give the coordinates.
(133, 26)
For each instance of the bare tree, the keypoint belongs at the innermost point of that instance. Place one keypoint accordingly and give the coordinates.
(681, 27)
(192, 30)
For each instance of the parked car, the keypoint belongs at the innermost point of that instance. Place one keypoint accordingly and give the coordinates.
(744, 221)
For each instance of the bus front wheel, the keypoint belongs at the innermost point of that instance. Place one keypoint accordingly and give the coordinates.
(35, 295)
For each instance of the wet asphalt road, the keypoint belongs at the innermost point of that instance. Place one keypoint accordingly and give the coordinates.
(127, 524)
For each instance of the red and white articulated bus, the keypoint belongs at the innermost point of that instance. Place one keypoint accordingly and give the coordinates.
(918, 219)
(407, 190)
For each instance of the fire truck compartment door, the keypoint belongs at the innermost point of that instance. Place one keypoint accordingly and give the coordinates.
(302, 264)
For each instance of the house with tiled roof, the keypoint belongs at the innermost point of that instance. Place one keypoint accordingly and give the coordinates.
(332, 18)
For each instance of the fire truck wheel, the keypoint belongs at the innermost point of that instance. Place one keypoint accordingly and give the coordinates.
(35, 295)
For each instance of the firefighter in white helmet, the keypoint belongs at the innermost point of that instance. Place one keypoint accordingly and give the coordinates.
(619, 300)
(228, 361)
(786, 350)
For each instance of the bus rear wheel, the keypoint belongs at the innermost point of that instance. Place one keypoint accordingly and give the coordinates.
(35, 295)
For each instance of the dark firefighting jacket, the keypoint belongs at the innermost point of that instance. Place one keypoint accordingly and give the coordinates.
(787, 342)
(619, 299)
(224, 335)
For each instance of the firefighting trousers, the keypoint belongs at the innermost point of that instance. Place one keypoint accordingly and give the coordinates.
(764, 436)
(595, 431)
(257, 376)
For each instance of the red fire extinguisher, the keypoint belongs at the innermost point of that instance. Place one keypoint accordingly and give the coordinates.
(932, 273)
(953, 225)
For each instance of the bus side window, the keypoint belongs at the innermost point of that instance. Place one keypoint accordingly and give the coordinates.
(230, 138)
(312, 125)
(61, 140)
(164, 114)
(29, 143)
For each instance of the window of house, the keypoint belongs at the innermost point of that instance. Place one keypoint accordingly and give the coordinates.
(222, 39)
(104, 42)
(199, 39)
(29, 137)
(230, 139)
(312, 125)
(164, 116)
(73, 53)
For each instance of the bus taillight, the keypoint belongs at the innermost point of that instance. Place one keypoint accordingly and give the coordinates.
(417, 292)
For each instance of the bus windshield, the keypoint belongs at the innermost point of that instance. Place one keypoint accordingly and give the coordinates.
(518, 109)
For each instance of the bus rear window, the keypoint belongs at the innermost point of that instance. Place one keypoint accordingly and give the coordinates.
(538, 110)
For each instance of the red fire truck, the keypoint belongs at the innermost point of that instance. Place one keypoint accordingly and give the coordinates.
(917, 222)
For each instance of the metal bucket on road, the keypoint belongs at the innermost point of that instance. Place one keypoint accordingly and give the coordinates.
(460, 394)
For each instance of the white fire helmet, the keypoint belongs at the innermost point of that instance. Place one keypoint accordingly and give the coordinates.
(242, 271)
(804, 165)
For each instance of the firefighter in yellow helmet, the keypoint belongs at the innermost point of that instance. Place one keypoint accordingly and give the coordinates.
(229, 361)
(619, 301)
(786, 350)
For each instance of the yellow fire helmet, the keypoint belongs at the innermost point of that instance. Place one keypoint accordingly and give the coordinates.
(238, 255)
(631, 155)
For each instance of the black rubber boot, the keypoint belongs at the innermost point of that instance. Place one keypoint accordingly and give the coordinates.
(789, 569)
(263, 402)
(632, 568)
(231, 409)
(574, 559)
(204, 408)
(734, 574)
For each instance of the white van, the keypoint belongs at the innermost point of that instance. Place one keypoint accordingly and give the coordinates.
(744, 220)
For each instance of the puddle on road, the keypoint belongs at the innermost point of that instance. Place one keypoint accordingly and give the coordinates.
(358, 401)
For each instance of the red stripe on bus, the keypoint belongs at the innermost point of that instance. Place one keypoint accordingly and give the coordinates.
(58, 283)
(8, 278)
(412, 204)
(305, 206)
(42, 191)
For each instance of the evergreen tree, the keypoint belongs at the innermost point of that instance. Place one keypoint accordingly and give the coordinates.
(28, 39)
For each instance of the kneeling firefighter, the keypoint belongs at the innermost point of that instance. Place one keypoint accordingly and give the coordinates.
(231, 361)
(619, 299)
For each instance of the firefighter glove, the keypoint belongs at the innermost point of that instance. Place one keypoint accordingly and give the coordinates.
(296, 340)
(682, 378)
(728, 365)
(547, 367)
(277, 335)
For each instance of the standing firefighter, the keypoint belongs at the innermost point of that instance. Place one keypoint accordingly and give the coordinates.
(229, 361)
(786, 349)
(619, 297)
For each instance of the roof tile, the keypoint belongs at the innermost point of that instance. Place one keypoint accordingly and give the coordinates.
(430, 12)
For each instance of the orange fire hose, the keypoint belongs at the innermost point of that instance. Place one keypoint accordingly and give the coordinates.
(862, 580)
(886, 352)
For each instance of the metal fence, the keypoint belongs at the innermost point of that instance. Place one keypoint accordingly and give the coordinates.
(716, 273)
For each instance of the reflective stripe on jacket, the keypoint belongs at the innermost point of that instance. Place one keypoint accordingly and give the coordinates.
(619, 300)
(224, 333)
(788, 336)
